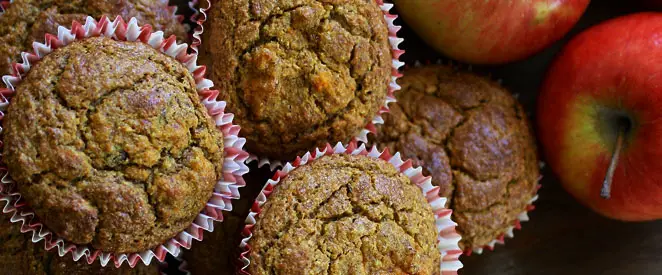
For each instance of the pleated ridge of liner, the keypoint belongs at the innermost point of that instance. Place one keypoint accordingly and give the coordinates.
(447, 237)
(200, 17)
(4, 5)
(234, 166)
(173, 10)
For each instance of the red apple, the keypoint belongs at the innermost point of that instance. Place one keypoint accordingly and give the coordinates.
(601, 108)
(490, 31)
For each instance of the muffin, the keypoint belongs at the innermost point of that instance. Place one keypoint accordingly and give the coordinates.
(27, 21)
(20, 256)
(345, 214)
(475, 141)
(298, 74)
(217, 253)
(110, 146)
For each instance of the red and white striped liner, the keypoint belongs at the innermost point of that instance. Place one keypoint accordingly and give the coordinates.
(200, 17)
(4, 5)
(173, 11)
(447, 239)
(234, 166)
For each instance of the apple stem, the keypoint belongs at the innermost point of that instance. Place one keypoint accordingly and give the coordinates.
(605, 193)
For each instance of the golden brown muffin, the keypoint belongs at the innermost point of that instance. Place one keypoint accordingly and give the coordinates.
(344, 214)
(110, 145)
(218, 252)
(20, 256)
(298, 74)
(475, 141)
(27, 21)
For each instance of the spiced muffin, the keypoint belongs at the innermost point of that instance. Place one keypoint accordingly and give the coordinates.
(298, 74)
(345, 214)
(475, 141)
(110, 145)
(27, 21)
(19, 256)
(218, 253)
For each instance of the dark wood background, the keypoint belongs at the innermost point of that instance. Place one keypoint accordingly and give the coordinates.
(562, 237)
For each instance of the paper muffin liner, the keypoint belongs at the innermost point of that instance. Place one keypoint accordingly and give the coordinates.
(4, 5)
(200, 17)
(447, 237)
(522, 217)
(172, 9)
(225, 191)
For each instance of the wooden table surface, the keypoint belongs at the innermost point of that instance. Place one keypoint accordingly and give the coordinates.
(562, 236)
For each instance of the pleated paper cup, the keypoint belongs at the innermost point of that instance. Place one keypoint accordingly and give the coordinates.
(225, 191)
(447, 238)
(202, 7)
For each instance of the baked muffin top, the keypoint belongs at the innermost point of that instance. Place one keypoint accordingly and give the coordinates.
(475, 141)
(27, 21)
(298, 74)
(20, 256)
(344, 214)
(110, 145)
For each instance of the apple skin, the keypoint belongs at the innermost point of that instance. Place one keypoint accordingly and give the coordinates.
(611, 71)
(490, 31)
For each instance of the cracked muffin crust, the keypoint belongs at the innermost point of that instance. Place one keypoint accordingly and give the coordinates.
(344, 214)
(475, 141)
(27, 21)
(110, 146)
(19, 256)
(298, 74)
